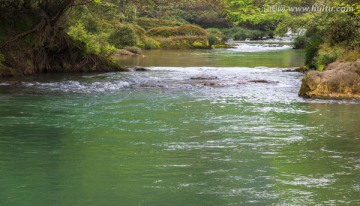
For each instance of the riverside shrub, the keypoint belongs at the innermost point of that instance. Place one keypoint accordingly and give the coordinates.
(149, 23)
(183, 30)
(123, 36)
(184, 42)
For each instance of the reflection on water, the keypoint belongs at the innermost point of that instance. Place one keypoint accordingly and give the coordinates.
(244, 55)
(170, 137)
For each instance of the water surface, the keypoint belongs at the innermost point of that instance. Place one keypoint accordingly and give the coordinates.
(168, 137)
(242, 55)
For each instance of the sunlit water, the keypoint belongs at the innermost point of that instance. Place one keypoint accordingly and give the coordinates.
(200, 135)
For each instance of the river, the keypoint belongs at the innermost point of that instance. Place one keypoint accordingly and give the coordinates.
(217, 127)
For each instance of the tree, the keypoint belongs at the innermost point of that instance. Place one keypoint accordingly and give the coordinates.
(33, 38)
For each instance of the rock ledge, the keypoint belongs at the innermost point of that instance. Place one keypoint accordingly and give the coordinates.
(339, 81)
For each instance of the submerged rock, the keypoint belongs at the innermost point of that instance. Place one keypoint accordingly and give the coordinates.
(204, 78)
(339, 80)
(263, 81)
(295, 69)
(139, 69)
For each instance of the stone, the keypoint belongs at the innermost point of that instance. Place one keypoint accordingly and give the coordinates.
(339, 80)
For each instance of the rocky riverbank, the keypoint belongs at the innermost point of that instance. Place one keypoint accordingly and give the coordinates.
(339, 80)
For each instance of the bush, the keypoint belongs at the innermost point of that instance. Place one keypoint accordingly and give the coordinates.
(238, 33)
(183, 30)
(152, 45)
(133, 49)
(123, 36)
(311, 51)
(184, 42)
(326, 55)
(191, 30)
(95, 44)
(215, 36)
(341, 29)
(197, 44)
(139, 31)
(163, 32)
(212, 39)
(149, 23)
(299, 42)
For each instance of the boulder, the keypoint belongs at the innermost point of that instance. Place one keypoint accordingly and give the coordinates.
(339, 80)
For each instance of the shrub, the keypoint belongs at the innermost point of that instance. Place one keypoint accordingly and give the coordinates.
(149, 23)
(123, 36)
(341, 29)
(163, 32)
(183, 42)
(191, 30)
(96, 44)
(349, 55)
(215, 36)
(311, 50)
(133, 49)
(197, 44)
(325, 56)
(238, 33)
(299, 42)
(212, 39)
(139, 31)
(91, 25)
(183, 30)
(152, 45)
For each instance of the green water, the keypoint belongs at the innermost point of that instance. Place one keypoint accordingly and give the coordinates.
(160, 138)
(218, 58)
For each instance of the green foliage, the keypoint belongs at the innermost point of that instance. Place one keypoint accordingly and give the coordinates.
(151, 44)
(341, 29)
(197, 44)
(149, 23)
(184, 42)
(191, 30)
(329, 35)
(133, 49)
(183, 30)
(311, 51)
(96, 44)
(212, 39)
(123, 36)
(215, 36)
(300, 42)
(163, 32)
(250, 13)
(238, 33)
(2, 58)
(326, 55)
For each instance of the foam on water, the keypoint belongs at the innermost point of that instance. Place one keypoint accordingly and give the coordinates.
(257, 47)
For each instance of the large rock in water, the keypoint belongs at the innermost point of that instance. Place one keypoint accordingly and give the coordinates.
(338, 80)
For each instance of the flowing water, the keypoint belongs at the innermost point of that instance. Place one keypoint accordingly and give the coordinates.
(204, 128)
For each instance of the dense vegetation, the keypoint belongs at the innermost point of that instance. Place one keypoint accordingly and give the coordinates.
(328, 36)
(75, 35)
(33, 39)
